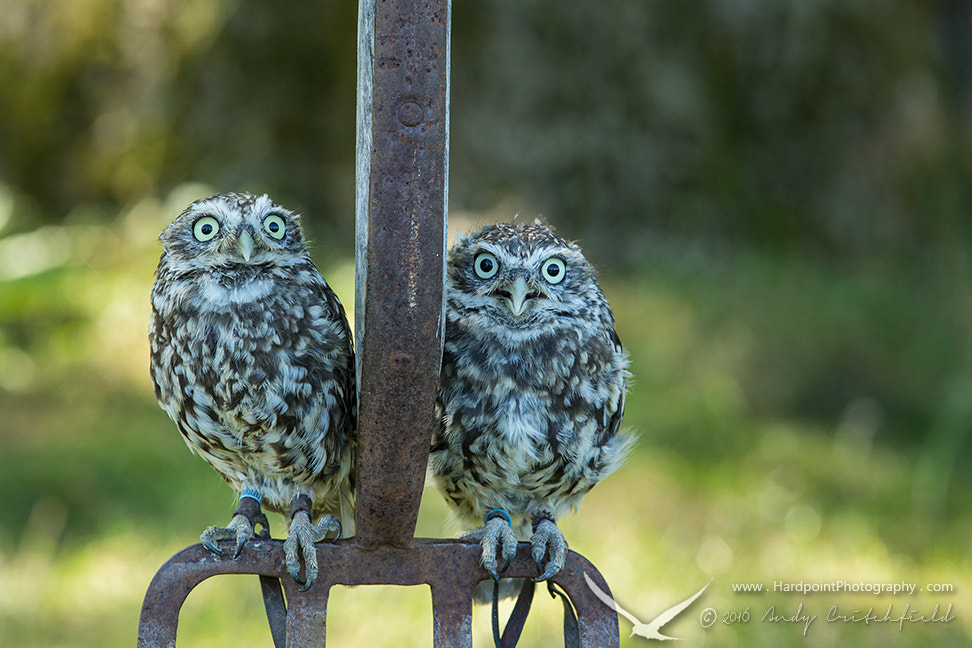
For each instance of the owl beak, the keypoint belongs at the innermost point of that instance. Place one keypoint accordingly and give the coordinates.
(517, 296)
(245, 244)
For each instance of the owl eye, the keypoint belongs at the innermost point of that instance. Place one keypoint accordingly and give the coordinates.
(205, 228)
(554, 270)
(275, 226)
(486, 265)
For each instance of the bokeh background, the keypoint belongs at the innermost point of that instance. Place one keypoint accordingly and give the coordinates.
(778, 197)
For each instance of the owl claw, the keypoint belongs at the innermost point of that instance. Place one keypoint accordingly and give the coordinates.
(240, 529)
(208, 540)
(548, 538)
(496, 531)
(300, 544)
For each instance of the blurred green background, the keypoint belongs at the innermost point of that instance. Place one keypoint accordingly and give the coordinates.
(778, 196)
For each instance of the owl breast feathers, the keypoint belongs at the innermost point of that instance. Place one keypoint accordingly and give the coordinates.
(251, 354)
(531, 391)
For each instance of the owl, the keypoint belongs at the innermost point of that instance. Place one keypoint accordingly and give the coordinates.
(531, 390)
(252, 358)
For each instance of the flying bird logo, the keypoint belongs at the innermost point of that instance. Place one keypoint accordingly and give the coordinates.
(652, 629)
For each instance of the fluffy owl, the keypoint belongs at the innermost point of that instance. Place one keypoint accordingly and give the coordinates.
(251, 356)
(531, 390)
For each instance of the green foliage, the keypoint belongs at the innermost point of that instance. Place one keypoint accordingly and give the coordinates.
(828, 127)
(108, 102)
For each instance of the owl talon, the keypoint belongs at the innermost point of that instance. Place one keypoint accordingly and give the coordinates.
(300, 544)
(549, 573)
(240, 529)
(548, 538)
(208, 540)
(496, 531)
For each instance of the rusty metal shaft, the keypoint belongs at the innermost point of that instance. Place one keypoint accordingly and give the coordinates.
(401, 178)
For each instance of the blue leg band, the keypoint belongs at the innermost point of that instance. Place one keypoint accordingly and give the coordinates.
(252, 493)
(495, 513)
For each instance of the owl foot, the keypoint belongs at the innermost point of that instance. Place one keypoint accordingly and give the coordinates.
(301, 538)
(547, 538)
(496, 531)
(240, 529)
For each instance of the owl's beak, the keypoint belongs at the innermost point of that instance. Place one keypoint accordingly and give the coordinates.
(245, 244)
(517, 296)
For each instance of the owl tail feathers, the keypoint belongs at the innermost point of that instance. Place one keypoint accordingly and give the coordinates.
(617, 451)
(346, 515)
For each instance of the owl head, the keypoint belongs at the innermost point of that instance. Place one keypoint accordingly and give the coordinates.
(233, 229)
(522, 277)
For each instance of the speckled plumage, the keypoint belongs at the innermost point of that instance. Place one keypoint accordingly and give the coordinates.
(531, 391)
(251, 354)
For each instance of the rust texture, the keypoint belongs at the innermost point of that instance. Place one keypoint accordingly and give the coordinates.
(402, 174)
(403, 213)
(450, 567)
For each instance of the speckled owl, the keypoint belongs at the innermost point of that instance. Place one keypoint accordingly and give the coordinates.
(531, 391)
(251, 356)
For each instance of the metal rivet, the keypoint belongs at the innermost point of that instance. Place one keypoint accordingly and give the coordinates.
(401, 360)
(410, 114)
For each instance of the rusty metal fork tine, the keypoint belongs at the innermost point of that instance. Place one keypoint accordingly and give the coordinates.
(451, 619)
(450, 567)
(306, 615)
(276, 608)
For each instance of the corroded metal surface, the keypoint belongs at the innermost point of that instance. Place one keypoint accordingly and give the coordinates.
(401, 225)
(450, 567)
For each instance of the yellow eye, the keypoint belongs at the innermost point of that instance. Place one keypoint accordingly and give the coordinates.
(275, 226)
(486, 265)
(205, 228)
(554, 270)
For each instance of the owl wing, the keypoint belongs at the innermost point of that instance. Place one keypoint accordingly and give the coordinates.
(348, 378)
(342, 372)
(346, 373)
(611, 410)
